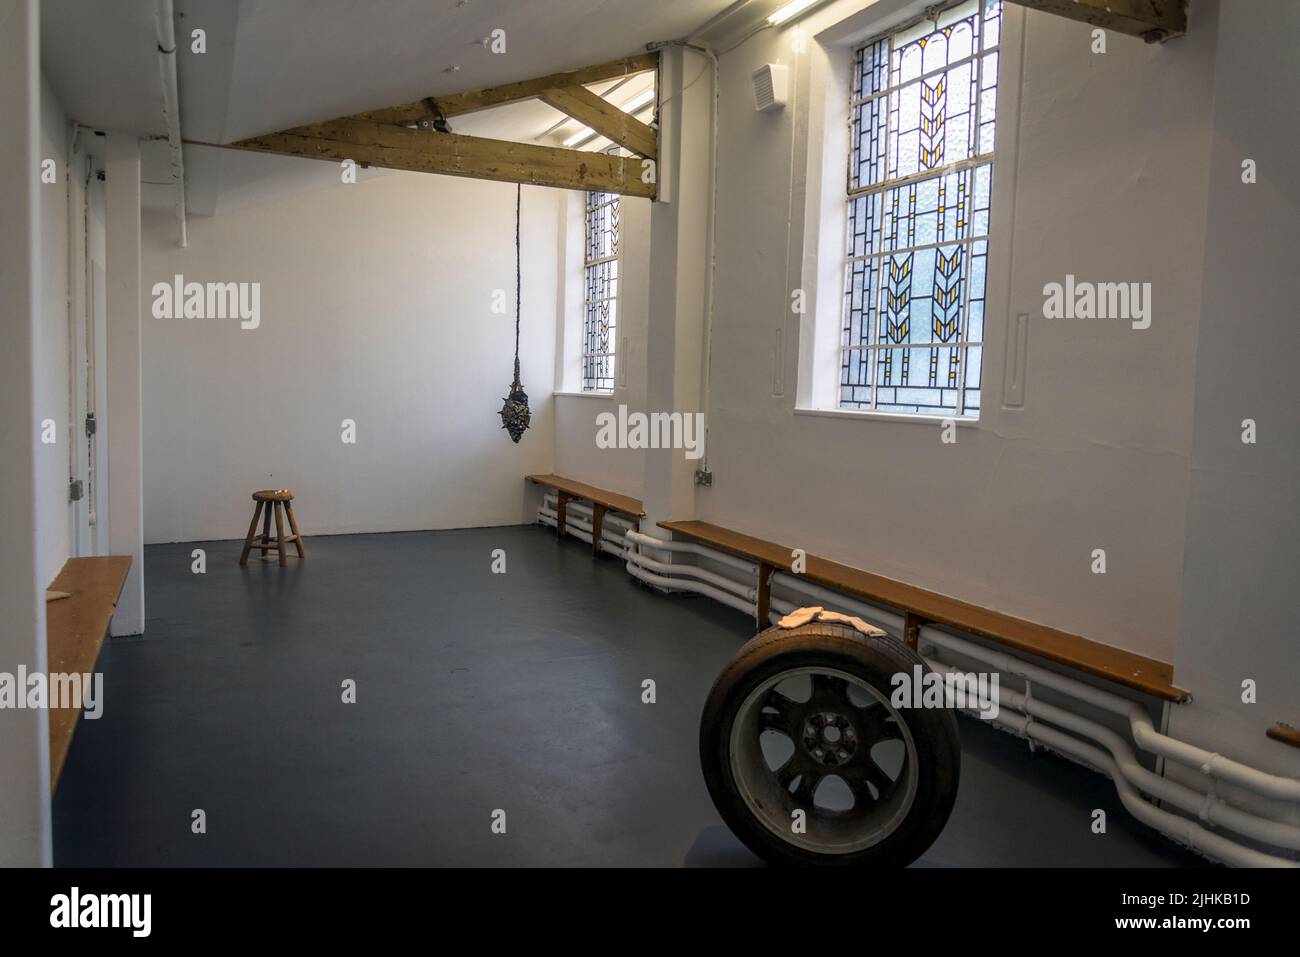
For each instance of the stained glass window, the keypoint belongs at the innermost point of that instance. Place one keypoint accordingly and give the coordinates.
(920, 178)
(600, 291)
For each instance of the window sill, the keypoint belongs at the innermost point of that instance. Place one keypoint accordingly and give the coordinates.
(584, 395)
(961, 421)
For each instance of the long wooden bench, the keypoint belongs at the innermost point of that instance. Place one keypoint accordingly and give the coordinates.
(1285, 733)
(75, 628)
(602, 501)
(921, 607)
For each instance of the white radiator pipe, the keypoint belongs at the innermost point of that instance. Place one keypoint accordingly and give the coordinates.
(691, 548)
(575, 525)
(1206, 806)
(606, 544)
(578, 522)
(1146, 736)
(684, 584)
(729, 585)
(1180, 829)
(582, 508)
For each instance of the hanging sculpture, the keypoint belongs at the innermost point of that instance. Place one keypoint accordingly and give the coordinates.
(514, 414)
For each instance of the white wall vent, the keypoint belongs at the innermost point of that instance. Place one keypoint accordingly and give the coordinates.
(771, 86)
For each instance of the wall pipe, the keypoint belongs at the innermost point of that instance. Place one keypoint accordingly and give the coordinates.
(164, 18)
(575, 524)
(606, 545)
(692, 548)
(611, 518)
(71, 178)
(1147, 737)
(729, 585)
(1207, 807)
(1180, 829)
(683, 584)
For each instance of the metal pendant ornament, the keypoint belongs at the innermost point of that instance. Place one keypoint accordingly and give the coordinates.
(515, 416)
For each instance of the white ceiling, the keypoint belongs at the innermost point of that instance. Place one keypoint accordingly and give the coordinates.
(102, 62)
(273, 64)
(305, 60)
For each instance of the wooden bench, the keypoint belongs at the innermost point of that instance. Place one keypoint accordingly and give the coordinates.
(921, 607)
(602, 501)
(75, 628)
(1285, 733)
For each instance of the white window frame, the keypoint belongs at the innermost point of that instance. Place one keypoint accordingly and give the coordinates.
(588, 265)
(817, 242)
(873, 347)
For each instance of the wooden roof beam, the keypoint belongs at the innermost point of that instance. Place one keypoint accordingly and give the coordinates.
(421, 151)
(384, 138)
(603, 117)
(1152, 20)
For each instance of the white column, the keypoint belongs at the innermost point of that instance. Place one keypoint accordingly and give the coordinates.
(678, 270)
(1241, 559)
(24, 734)
(125, 455)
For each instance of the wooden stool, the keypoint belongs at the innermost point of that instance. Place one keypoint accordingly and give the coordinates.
(281, 499)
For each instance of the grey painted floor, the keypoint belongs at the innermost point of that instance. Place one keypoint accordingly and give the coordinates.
(475, 692)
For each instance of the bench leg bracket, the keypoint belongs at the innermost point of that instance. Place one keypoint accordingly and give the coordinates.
(561, 513)
(912, 624)
(597, 523)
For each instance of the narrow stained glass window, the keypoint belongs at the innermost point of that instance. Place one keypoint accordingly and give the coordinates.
(600, 291)
(920, 180)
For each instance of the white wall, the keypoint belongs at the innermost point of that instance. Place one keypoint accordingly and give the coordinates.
(54, 515)
(1242, 560)
(375, 306)
(124, 432)
(24, 734)
(1098, 458)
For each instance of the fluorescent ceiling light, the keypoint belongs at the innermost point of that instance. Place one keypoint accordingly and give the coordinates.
(638, 101)
(631, 106)
(581, 136)
(793, 8)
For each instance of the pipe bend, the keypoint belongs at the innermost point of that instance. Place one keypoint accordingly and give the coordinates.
(692, 548)
(670, 573)
(701, 588)
(1204, 805)
(1146, 737)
